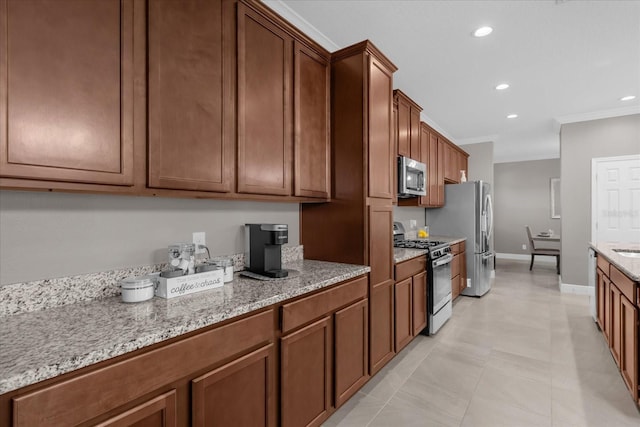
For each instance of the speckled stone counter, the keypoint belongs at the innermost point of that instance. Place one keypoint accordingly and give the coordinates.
(403, 254)
(629, 266)
(38, 345)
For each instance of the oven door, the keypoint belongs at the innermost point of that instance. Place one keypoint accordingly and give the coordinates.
(441, 282)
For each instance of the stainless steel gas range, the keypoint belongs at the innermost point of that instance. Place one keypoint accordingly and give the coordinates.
(439, 258)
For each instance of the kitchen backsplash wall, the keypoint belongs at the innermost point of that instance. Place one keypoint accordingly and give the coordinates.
(405, 214)
(49, 235)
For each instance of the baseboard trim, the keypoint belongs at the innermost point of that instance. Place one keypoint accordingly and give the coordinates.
(527, 257)
(568, 288)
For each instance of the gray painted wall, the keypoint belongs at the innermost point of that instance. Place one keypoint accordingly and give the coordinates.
(47, 235)
(579, 143)
(480, 162)
(521, 197)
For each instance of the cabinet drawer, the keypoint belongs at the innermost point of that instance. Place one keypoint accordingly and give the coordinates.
(87, 396)
(455, 266)
(603, 264)
(462, 246)
(455, 249)
(315, 306)
(626, 285)
(410, 268)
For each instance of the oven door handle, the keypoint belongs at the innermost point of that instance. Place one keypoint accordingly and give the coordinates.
(442, 260)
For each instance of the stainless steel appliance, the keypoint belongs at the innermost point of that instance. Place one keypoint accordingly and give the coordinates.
(412, 177)
(263, 249)
(468, 213)
(439, 306)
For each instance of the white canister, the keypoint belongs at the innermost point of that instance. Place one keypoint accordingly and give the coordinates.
(137, 289)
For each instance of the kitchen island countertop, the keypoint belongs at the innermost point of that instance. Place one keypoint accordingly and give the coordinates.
(43, 344)
(627, 265)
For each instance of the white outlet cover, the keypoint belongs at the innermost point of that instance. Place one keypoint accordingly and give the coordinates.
(200, 238)
(413, 223)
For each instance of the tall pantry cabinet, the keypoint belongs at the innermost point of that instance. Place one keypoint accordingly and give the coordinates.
(356, 227)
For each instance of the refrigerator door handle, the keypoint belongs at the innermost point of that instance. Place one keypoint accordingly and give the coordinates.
(489, 217)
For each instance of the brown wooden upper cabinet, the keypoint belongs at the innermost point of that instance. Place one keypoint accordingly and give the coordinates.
(312, 154)
(66, 91)
(191, 100)
(408, 126)
(266, 96)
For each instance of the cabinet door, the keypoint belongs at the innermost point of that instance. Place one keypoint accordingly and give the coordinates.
(433, 170)
(614, 333)
(425, 157)
(440, 173)
(312, 158)
(380, 243)
(601, 298)
(191, 95)
(240, 393)
(607, 307)
(629, 345)
(265, 112)
(448, 160)
(419, 302)
(157, 412)
(306, 357)
(381, 326)
(404, 127)
(66, 90)
(380, 149)
(403, 313)
(351, 334)
(415, 135)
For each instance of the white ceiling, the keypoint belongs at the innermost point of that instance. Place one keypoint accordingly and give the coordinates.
(566, 61)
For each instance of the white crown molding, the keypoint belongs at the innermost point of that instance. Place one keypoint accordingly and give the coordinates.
(596, 115)
(302, 24)
(478, 139)
(523, 157)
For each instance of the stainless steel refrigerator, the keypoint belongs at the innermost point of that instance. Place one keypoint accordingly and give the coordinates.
(468, 212)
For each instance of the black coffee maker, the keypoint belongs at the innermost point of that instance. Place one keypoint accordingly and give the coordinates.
(263, 248)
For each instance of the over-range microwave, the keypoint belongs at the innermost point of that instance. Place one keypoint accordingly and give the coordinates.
(412, 177)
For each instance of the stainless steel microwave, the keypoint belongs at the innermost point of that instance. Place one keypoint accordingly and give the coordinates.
(412, 177)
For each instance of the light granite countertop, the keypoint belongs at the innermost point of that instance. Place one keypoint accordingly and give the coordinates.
(38, 345)
(629, 266)
(404, 254)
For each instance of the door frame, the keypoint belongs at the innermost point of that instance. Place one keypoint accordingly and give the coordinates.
(594, 188)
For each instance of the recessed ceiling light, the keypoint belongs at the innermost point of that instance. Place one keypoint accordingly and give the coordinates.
(628, 98)
(512, 116)
(482, 31)
(502, 86)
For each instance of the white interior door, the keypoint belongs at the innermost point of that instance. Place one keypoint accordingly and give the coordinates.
(615, 199)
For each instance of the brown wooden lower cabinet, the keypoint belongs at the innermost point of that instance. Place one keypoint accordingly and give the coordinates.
(381, 326)
(240, 393)
(324, 354)
(614, 335)
(404, 313)
(351, 348)
(157, 412)
(226, 375)
(306, 358)
(629, 345)
(617, 307)
(419, 295)
(410, 300)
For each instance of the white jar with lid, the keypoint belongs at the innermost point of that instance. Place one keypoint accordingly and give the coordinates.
(137, 289)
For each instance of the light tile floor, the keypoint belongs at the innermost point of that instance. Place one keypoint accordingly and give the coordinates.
(522, 355)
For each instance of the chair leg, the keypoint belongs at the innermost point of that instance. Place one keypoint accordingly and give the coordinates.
(558, 264)
(531, 266)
